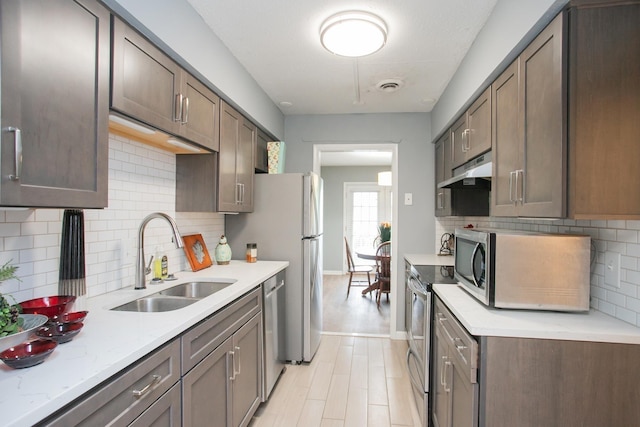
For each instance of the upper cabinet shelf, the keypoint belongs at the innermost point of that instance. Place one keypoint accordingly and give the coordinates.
(150, 87)
(55, 103)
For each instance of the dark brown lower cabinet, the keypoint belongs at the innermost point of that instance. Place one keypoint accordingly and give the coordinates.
(209, 376)
(539, 382)
(530, 382)
(224, 389)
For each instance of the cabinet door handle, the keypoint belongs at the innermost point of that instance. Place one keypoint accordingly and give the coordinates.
(237, 354)
(155, 380)
(178, 108)
(17, 145)
(239, 193)
(521, 187)
(511, 198)
(464, 142)
(467, 141)
(445, 367)
(233, 365)
(185, 110)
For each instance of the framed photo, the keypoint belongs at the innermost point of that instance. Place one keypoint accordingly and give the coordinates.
(196, 252)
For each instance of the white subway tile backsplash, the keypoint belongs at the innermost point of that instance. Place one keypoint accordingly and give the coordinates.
(606, 235)
(141, 181)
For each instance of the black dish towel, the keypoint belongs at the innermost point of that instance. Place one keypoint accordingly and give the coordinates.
(72, 272)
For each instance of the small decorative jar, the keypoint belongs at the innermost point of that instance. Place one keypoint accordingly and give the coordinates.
(252, 252)
(223, 251)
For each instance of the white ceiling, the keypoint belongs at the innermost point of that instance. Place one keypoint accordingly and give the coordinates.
(277, 41)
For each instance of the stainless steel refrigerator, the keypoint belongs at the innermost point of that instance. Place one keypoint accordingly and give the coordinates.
(286, 224)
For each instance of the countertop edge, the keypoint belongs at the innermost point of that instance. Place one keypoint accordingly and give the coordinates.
(481, 320)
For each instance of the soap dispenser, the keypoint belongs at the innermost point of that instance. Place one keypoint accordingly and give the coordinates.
(157, 265)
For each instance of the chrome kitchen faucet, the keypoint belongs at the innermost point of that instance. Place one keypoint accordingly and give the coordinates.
(141, 271)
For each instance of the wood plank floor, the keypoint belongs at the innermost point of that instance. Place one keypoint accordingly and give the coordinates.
(352, 381)
(355, 314)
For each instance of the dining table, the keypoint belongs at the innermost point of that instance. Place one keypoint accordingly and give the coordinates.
(371, 256)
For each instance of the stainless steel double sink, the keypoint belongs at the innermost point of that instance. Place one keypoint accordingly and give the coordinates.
(176, 297)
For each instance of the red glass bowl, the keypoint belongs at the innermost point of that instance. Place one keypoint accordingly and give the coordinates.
(75, 317)
(28, 353)
(49, 306)
(60, 332)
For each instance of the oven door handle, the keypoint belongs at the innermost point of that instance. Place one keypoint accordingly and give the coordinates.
(416, 289)
(415, 383)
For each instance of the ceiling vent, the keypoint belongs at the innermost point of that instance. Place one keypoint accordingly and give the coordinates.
(389, 85)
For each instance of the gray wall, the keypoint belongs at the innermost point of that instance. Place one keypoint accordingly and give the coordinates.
(334, 178)
(177, 26)
(414, 226)
(510, 27)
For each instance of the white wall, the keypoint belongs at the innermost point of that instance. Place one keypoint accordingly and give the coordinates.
(176, 25)
(141, 181)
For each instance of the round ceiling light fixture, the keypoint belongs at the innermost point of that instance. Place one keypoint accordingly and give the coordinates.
(353, 33)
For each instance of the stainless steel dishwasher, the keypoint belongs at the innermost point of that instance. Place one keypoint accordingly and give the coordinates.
(274, 331)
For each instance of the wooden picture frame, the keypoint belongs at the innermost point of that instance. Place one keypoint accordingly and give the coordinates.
(196, 251)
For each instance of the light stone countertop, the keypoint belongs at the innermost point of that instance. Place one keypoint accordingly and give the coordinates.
(429, 259)
(481, 320)
(112, 340)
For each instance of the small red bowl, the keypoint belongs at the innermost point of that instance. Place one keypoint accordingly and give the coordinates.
(75, 317)
(49, 306)
(28, 353)
(60, 332)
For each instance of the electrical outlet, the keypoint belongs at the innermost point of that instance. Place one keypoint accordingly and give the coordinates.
(612, 269)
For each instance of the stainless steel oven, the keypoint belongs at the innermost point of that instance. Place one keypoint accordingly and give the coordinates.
(418, 319)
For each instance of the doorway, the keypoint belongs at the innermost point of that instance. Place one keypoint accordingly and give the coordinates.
(366, 205)
(347, 151)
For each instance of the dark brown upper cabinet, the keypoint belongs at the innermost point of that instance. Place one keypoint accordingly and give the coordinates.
(529, 134)
(55, 103)
(235, 161)
(150, 87)
(471, 134)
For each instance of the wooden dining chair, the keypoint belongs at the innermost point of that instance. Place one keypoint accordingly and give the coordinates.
(383, 270)
(356, 269)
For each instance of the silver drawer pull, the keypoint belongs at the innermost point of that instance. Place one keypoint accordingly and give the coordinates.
(139, 393)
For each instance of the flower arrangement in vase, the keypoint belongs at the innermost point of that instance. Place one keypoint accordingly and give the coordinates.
(384, 233)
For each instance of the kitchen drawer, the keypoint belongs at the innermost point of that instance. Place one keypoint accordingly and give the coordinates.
(114, 403)
(202, 339)
(166, 411)
(465, 347)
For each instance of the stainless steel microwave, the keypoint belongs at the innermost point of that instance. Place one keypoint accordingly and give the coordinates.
(524, 270)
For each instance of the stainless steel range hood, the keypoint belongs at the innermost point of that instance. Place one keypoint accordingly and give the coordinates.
(474, 172)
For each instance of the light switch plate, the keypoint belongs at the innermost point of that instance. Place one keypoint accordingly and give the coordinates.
(612, 269)
(408, 199)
